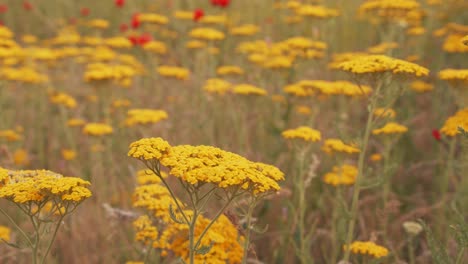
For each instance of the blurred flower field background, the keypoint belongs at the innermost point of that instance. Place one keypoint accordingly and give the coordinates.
(234, 131)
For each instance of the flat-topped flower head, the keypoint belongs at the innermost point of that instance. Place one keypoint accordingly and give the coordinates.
(206, 164)
(217, 86)
(146, 176)
(341, 175)
(421, 87)
(454, 76)
(367, 248)
(149, 149)
(229, 70)
(453, 123)
(207, 34)
(144, 116)
(373, 64)
(384, 113)
(97, 129)
(39, 186)
(303, 132)
(173, 72)
(247, 89)
(316, 11)
(5, 234)
(333, 145)
(245, 30)
(390, 128)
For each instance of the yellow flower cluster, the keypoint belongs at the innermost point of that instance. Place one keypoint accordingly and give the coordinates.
(421, 87)
(464, 40)
(217, 86)
(68, 154)
(206, 164)
(118, 42)
(173, 72)
(74, 122)
(384, 113)
(304, 133)
(144, 177)
(149, 149)
(214, 20)
(64, 99)
(245, 30)
(316, 11)
(97, 129)
(342, 175)
(454, 75)
(183, 15)
(381, 63)
(390, 128)
(382, 47)
(451, 125)
(23, 74)
(309, 87)
(146, 232)
(156, 47)
(229, 70)
(453, 43)
(5, 234)
(392, 10)
(336, 145)
(153, 18)
(39, 186)
(207, 34)
(98, 23)
(247, 89)
(103, 72)
(10, 135)
(367, 248)
(144, 116)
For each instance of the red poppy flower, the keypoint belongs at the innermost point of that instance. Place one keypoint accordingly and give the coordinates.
(119, 3)
(27, 5)
(144, 38)
(198, 14)
(3, 8)
(436, 134)
(220, 3)
(123, 27)
(133, 39)
(135, 21)
(84, 11)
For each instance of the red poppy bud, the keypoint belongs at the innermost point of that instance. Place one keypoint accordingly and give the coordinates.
(119, 3)
(3, 8)
(198, 14)
(27, 6)
(143, 39)
(436, 134)
(84, 11)
(135, 21)
(133, 39)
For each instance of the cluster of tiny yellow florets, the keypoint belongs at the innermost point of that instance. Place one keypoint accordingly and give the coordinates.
(367, 248)
(173, 72)
(207, 34)
(390, 128)
(453, 123)
(310, 87)
(144, 116)
(149, 149)
(304, 133)
(335, 145)
(5, 234)
(97, 129)
(247, 89)
(381, 63)
(384, 113)
(39, 186)
(342, 175)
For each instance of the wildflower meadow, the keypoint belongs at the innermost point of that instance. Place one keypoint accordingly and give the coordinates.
(234, 131)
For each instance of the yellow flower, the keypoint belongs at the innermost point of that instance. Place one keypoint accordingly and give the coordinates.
(118, 42)
(195, 44)
(215, 20)
(157, 47)
(454, 75)
(120, 103)
(303, 132)
(245, 30)
(76, 122)
(451, 125)
(145, 177)
(5, 234)
(381, 63)
(385, 112)
(183, 15)
(10, 135)
(145, 230)
(278, 62)
(23, 74)
(206, 34)
(68, 154)
(416, 31)
(149, 148)
(102, 72)
(153, 18)
(217, 86)
(316, 11)
(376, 157)
(20, 157)
(64, 99)
(42, 186)
(97, 129)
(304, 110)
(367, 248)
(98, 23)
(305, 43)
(390, 128)
(382, 47)
(298, 90)
(174, 72)
(421, 87)
(144, 116)
(454, 44)
(336, 145)
(342, 175)
(229, 70)
(29, 39)
(247, 89)
(464, 40)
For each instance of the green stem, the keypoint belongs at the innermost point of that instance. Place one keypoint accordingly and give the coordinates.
(360, 176)
(248, 231)
(17, 227)
(411, 250)
(54, 235)
(461, 253)
(192, 248)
